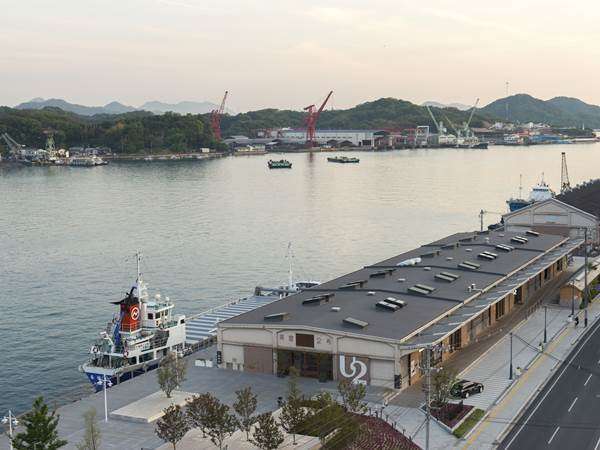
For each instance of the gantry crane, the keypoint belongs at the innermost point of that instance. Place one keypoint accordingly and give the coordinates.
(215, 118)
(467, 124)
(311, 120)
(13, 146)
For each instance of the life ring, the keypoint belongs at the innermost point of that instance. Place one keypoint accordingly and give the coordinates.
(135, 313)
(95, 349)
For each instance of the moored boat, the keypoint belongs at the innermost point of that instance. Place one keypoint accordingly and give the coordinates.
(343, 159)
(137, 338)
(281, 164)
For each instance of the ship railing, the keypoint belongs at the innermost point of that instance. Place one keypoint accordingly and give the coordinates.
(129, 328)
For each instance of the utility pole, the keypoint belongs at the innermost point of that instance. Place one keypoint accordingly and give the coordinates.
(427, 394)
(585, 289)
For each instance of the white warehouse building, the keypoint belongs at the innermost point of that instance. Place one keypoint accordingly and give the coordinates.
(358, 138)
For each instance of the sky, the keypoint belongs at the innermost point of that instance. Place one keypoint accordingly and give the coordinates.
(289, 54)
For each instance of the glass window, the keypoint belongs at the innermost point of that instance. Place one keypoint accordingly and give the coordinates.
(305, 340)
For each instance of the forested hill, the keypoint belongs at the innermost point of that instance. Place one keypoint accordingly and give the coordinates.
(558, 111)
(126, 133)
(385, 113)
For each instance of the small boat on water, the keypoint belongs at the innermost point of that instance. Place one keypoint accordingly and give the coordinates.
(281, 164)
(343, 159)
(86, 161)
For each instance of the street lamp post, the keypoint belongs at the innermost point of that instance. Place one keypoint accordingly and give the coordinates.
(510, 373)
(12, 421)
(545, 332)
(104, 383)
(572, 299)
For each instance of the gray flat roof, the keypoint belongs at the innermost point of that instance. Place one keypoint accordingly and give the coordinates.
(427, 296)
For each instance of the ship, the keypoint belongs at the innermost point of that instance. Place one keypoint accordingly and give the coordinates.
(539, 192)
(86, 161)
(343, 159)
(142, 333)
(281, 164)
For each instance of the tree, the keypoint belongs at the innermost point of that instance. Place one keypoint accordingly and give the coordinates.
(442, 383)
(244, 408)
(221, 423)
(292, 412)
(171, 373)
(199, 411)
(267, 435)
(172, 426)
(40, 429)
(352, 395)
(91, 439)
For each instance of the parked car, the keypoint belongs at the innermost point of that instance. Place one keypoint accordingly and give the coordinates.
(466, 388)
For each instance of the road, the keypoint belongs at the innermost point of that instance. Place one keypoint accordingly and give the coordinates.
(565, 414)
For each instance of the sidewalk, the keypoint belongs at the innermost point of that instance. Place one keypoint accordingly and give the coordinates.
(505, 403)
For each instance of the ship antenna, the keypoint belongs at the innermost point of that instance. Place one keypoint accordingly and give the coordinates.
(138, 258)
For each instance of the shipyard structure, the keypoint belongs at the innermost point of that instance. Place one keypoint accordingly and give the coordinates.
(372, 326)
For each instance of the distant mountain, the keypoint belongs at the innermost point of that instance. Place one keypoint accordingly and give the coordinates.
(558, 111)
(185, 107)
(110, 108)
(460, 106)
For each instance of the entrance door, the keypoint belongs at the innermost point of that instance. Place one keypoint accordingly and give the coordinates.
(308, 364)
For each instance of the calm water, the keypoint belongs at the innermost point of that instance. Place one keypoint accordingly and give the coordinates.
(212, 230)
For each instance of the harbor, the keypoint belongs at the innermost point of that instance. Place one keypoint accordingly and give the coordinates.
(188, 266)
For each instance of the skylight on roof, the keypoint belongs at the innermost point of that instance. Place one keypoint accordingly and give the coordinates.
(381, 273)
(519, 239)
(446, 276)
(469, 265)
(277, 316)
(421, 289)
(355, 322)
(487, 255)
(395, 301)
(387, 306)
(504, 247)
(353, 284)
(532, 233)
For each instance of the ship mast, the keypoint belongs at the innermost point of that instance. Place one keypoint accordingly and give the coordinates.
(290, 272)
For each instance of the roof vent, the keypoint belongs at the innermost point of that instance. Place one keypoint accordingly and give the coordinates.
(427, 268)
(277, 316)
(401, 280)
(468, 249)
(532, 233)
(488, 256)
(469, 265)
(428, 255)
(336, 308)
(355, 322)
(387, 306)
(395, 301)
(371, 293)
(449, 258)
(504, 247)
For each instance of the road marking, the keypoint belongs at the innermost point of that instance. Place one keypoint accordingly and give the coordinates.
(588, 337)
(597, 444)
(571, 407)
(553, 434)
(588, 379)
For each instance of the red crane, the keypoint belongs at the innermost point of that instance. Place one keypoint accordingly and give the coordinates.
(215, 118)
(311, 120)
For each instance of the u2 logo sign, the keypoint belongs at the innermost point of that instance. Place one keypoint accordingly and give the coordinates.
(356, 370)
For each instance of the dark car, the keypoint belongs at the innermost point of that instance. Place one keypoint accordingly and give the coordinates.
(465, 388)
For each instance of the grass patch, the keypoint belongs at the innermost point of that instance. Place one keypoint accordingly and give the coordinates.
(469, 423)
